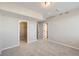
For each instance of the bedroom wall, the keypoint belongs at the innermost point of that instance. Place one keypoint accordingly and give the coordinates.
(9, 31)
(65, 28)
(0, 36)
(32, 30)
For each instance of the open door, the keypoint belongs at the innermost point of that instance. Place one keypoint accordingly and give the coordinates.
(45, 31)
(23, 31)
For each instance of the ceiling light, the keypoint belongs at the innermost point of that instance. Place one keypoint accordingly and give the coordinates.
(45, 4)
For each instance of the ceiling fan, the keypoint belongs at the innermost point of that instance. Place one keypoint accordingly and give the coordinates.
(46, 4)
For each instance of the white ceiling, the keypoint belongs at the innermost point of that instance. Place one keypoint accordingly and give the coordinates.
(47, 12)
(55, 8)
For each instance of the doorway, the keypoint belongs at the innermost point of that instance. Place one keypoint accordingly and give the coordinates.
(23, 32)
(45, 31)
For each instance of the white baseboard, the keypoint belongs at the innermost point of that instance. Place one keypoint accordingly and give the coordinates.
(10, 47)
(64, 44)
(16, 45)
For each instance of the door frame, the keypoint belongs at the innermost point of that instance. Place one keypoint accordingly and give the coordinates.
(46, 31)
(19, 30)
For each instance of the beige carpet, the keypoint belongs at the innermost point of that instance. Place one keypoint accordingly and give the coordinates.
(41, 48)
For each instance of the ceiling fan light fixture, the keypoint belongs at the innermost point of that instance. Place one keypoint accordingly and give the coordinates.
(45, 4)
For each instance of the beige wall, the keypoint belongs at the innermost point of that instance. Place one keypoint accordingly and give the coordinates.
(9, 30)
(65, 28)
